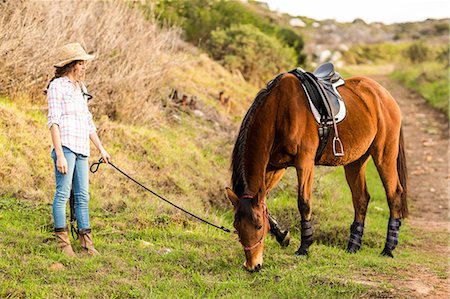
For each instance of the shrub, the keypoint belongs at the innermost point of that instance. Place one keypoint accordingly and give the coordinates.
(295, 41)
(443, 56)
(255, 54)
(418, 52)
(441, 28)
(200, 18)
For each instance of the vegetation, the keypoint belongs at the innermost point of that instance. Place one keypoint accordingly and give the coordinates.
(127, 78)
(413, 31)
(148, 249)
(419, 66)
(218, 26)
(256, 55)
(374, 53)
(426, 71)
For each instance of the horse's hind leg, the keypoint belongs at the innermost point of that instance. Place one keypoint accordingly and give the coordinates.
(355, 174)
(283, 236)
(386, 163)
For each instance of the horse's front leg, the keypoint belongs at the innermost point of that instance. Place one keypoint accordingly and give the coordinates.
(283, 236)
(305, 174)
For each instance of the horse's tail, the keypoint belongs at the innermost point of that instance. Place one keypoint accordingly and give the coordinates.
(402, 174)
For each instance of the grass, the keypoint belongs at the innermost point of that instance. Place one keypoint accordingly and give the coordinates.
(151, 261)
(126, 84)
(430, 79)
(148, 250)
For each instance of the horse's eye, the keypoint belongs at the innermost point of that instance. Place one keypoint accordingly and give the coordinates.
(258, 227)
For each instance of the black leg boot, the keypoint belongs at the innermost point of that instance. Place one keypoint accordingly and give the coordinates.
(307, 238)
(392, 237)
(356, 234)
(283, 237)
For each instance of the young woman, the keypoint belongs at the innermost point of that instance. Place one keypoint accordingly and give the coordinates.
(71, 128)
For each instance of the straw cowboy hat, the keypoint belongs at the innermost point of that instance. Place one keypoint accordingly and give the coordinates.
(72, 52)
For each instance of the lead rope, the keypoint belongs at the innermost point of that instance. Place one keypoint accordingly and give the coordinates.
(94, 170)
(73, 217)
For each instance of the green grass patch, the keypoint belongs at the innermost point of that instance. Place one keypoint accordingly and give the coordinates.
(148, 250)
(430, 80)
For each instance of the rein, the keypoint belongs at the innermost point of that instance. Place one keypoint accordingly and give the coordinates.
(266, 220)
(94, 167)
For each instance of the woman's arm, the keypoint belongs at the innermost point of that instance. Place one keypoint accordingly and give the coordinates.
(54, 98)
(61, 162)
(98, 144)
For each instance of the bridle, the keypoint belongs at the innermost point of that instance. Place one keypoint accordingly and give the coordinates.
(266, 221)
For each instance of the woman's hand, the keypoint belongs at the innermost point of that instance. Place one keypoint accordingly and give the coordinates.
(106, 156)
(61, 164)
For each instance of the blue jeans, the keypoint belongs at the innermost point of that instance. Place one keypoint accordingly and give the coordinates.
(77, 177)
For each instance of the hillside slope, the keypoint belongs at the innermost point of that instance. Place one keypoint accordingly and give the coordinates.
(149, 249)
(145, 130)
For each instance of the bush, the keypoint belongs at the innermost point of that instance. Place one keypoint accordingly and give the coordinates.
(418, 52)
(443, 56)
(255, 54)
(295, 41)
(374, 53)
(200, 19)
(441, 28)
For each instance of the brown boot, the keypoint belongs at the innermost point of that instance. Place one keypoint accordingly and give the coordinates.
(62, 237)
(86, 243)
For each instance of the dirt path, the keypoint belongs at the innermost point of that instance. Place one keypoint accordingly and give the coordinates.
(426, 134)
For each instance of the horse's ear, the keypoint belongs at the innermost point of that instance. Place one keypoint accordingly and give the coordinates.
(232, 197)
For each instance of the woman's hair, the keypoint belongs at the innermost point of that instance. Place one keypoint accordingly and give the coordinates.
(62, 71)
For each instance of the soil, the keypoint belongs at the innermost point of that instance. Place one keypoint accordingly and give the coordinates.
(426, 134)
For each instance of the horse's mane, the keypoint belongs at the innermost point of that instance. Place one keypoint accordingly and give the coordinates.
(238, 158)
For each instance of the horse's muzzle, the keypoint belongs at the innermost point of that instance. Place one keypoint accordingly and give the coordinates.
(254, 267)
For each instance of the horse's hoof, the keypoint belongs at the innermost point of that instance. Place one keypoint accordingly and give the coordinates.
(285, 239)
(302, 252)
(387, 252)
(353, 249)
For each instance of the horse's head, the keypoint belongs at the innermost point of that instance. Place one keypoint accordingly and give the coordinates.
(252, 224)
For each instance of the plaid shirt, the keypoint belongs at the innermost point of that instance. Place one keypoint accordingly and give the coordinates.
(67, 107)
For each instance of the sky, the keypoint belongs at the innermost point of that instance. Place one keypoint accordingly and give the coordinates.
(385, 11)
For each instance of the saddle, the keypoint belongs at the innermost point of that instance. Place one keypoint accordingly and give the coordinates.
(330, 80)
(325, 102)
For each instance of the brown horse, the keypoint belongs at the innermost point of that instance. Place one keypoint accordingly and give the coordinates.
(280, 131)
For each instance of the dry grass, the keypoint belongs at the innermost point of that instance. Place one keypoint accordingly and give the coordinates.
(25, 163)
(133, 54)
(137, 66)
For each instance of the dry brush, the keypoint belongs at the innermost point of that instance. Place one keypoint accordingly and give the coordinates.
(133, 54)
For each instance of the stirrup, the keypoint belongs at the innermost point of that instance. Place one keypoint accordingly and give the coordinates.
(339, 151)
